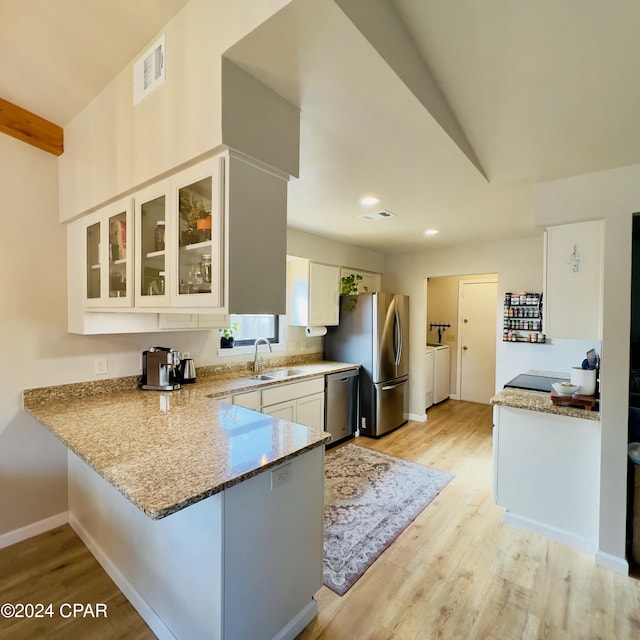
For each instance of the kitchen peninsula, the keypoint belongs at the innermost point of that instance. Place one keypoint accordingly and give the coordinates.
(547, 466)
(207, 515)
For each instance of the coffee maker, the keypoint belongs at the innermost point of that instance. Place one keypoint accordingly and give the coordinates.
(160, 369)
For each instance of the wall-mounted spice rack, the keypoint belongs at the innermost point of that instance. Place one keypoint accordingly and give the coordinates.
(523, 318)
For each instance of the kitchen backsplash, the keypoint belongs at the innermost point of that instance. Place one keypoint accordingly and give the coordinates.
(557, 356)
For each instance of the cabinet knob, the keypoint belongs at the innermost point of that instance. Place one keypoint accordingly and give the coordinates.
(464, 348)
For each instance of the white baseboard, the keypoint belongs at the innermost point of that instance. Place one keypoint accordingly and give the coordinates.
(554, 533)
(418, 417)
(34, 529)
(130, 592)
(298, 622)
(619, 565)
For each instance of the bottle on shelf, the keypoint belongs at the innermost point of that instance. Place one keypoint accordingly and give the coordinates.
(523, 318)
(159, 236)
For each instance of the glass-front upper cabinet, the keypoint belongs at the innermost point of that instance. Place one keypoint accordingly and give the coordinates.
(152, 233)
(198, 235)
(93, 266)
(108, 263)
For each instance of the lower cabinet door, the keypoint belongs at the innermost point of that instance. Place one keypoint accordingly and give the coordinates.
(249, 400)
(284, 410)
(310, 411)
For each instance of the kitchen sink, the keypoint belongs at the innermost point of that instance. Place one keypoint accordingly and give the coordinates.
(278, 374)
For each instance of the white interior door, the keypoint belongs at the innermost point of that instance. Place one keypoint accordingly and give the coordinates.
(477, 327)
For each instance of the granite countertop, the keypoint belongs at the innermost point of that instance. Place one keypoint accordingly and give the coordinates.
(540, 401)
(167, 450)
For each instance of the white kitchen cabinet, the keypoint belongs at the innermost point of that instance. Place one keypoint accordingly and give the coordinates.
(546, 474)
(301, 402)
(310, 411)
(195, 236)
(250, 400)
(282, 410)
(314, 294)
(152, 266)
(574, 280)
(234, 264)
(179, 321)
(179, 248)
(106, 250)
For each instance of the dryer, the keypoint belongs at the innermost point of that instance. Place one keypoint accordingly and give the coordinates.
(429, 359)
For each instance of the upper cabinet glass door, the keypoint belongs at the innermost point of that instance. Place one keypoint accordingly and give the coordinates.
(198, 207)
(93, 266)
(118, 281)
(153, 238)
(108, 260)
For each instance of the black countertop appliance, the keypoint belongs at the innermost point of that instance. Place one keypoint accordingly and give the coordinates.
(533, 382)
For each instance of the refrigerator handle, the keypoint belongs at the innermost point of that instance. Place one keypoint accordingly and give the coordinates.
(397, 337)
(393, 386)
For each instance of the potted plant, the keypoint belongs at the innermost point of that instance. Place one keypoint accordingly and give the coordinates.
(203, 225)
(349, 287)
(195, 219)
(226, 336)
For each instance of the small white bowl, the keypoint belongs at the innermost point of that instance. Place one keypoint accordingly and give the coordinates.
(565, 388)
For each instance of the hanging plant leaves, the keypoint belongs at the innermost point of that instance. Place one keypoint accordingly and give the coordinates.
(349, 287)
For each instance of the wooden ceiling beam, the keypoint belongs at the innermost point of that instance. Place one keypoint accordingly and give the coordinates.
(30, 128)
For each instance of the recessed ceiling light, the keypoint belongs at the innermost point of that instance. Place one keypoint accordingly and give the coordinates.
(430, 232)
(369, 201)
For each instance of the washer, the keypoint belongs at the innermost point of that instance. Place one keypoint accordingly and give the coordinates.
(441, 371)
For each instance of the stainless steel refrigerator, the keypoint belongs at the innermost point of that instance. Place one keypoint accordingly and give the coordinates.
(374, 332)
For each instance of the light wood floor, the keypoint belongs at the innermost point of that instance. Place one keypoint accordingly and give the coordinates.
(57, 568)
(456, 572)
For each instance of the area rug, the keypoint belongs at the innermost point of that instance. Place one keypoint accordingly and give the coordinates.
(370, 498)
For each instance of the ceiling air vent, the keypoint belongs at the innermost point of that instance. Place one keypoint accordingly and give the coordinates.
(148, 71)
(380, 215)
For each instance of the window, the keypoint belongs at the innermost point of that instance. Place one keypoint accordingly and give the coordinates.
(249, 327)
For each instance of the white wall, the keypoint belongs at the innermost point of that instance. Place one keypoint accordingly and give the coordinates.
(112, 146)
(613, 196)
(32, 326)
(519, 265)
(308, 245)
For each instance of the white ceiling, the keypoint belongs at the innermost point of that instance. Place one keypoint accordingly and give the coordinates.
(540, 90)
(57, 55)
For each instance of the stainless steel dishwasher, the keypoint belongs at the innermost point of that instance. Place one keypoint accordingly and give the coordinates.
(341, 404)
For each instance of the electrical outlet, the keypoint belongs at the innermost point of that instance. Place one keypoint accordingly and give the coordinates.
(280, 475)
(450, 337)
(100, 365)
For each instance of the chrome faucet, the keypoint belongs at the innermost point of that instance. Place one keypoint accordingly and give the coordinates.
(258, 363)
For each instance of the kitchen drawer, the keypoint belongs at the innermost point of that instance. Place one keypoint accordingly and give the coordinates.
(249, 400)
(285, 392)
